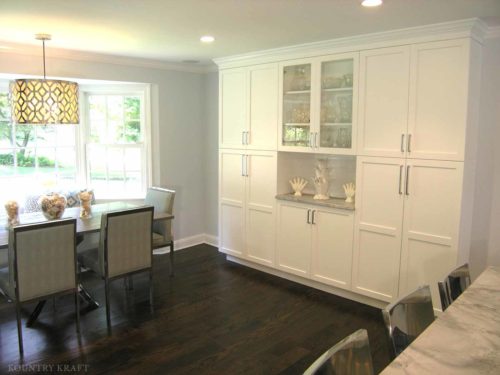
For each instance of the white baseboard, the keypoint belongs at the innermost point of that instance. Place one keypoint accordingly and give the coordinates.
(183, 243)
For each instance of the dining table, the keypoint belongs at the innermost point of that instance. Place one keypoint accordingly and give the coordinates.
(84, 226)
(464, 339)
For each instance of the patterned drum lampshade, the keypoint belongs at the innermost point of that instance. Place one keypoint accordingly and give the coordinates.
(44, 101)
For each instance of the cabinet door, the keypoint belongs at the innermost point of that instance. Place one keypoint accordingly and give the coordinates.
(233, 107)
(338, 104)
(332, 247)
(295, 107)
(377, 233)
(231, 202)
(263, 126)
(294, 239)
(438, 100)
(260, 203)
(383, 101)
(431, 223)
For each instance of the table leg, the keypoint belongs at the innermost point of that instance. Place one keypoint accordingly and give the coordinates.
(34, 315)
(92, 303)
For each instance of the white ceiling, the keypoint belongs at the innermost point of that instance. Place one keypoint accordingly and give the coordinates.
(169, 30)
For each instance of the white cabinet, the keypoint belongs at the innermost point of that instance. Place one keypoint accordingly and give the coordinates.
(232, 107)
(249, 107)
(433, 194)
(247, 186)
(439, 78)
(378, 228)
(316, 243)
(406, 231)
(383, 101)
(318, 104)
(413, 100)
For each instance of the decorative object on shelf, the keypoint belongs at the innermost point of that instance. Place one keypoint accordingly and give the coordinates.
(53, 205)
(12, 209)
(347, 80)
(300, 80)
(298, 184)
(321, 182)
(85, 203)
(350, 191)
(44, 101)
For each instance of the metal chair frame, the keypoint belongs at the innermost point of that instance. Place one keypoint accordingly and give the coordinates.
(28, 227)
(350, 356)
(417, 303)
(454, 285)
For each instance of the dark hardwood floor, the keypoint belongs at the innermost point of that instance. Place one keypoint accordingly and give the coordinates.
(212, 317)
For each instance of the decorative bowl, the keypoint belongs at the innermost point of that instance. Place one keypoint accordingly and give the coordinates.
(53, 205)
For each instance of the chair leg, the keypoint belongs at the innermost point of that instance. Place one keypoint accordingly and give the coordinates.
(19, 328)
(77, 307)
(108, 314)
(172, 258)
(151, 303)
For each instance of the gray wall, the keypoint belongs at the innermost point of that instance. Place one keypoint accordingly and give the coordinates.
(179, 97)
(211, 157)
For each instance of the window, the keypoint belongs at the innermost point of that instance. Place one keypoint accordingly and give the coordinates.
(28, 153)
(115, 146)
(107, 151)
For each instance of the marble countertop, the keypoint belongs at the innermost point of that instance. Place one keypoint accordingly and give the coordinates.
(465, 339)
(308, 199)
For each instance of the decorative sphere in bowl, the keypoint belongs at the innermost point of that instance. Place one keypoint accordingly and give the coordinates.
(53, 206)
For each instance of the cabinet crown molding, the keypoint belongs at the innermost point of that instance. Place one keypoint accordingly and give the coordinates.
(474, 28)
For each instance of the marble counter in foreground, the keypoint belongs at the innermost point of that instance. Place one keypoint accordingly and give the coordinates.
(308, 199)
(465, 339)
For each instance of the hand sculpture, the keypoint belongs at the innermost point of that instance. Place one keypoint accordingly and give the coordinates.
(298, 184)
(12, 209)
(350, 191)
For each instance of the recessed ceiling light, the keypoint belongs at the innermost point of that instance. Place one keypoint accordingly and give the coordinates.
(371, 3)
(207, 39)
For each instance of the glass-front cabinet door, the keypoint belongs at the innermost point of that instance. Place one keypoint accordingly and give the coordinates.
(296, 106)
(338, 98)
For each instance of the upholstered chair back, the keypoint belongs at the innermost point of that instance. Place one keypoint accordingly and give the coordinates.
(163, 201)
(43, 258)
(126, 241)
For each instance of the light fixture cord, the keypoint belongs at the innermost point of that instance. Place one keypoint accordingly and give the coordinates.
(43, 44)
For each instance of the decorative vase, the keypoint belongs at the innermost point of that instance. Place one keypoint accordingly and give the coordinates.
(321, 182)
(85, 204)
(53, 205)
(12, 209)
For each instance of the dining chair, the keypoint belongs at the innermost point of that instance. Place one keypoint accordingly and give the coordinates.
(351, 356)
(125, 248)
(42, 265)
(407, 318)
(163, 201)
(454, 285)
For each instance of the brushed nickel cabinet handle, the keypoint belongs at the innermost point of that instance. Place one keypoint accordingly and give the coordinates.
(313, 213)
(246, 165)
(402, 143)
(242, 138)
(407, 190)
(409, 143)
(308, 214)
(242, 165)
(400, 179)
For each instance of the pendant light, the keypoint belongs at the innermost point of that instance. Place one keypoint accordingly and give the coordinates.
(44, 101)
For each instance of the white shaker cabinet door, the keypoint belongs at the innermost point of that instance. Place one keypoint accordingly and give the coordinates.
(232, 108)
(332, 247)
(431, 223)
(260, 206)
(232, 202)
(294, 239)
(438, 100)
(378, 228)
(383, 101)
(263, 125)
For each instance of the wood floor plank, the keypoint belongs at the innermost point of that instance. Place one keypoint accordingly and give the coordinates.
(212, 317)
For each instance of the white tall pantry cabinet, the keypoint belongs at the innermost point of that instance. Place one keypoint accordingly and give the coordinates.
(410, 110)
